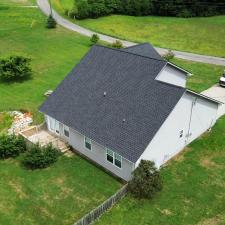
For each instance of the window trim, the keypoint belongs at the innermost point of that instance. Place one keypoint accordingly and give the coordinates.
(181, 134)
(114, 158)
(67, 129)
(88, 143)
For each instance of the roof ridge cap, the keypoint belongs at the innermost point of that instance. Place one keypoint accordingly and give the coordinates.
(130, 53)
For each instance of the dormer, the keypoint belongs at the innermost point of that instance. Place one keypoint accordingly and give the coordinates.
(173, 74)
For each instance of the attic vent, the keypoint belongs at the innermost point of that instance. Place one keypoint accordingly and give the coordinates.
(104, 93)
(124, 120)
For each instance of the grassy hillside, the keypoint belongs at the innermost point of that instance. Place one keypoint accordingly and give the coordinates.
(198, 35)
(194, 189)
(62, 5)
(53, 53)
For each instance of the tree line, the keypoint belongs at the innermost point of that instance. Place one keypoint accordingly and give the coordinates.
(179, 8)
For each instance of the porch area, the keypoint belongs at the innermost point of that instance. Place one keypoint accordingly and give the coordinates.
(40, 134)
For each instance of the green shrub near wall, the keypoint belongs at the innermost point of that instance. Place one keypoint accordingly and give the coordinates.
(38, 157)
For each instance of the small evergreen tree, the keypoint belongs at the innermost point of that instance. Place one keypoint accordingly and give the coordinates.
(38, 157)
(15, 68)
(146, 180)
(94, 39)
(51, 23)
(169, 55)
(117, 44)
(82, 9)
(11, 146)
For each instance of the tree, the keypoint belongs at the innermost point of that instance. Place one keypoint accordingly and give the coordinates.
(146, 180)
(15, 68)
(117, 44)
(11, 146)
(51, 23)
(82, 9)
(94, 39)
(38, 157)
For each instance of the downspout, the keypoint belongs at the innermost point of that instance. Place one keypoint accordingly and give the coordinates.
(189, 125)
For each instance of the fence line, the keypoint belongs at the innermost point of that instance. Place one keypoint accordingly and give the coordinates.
(90, 217)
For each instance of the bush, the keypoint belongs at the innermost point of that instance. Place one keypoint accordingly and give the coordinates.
(82, 9)
(72, 12)
(38, 157)
(146, 180)
(117, 44)
(11, 146)
(15, 68)
(51, 23)
(169, 55)
(94, 39)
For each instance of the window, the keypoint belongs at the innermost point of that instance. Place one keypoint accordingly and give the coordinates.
(114, 158)
(66, 131)
(181, 133)
(118, 160)
(87, 143)
(110, 155)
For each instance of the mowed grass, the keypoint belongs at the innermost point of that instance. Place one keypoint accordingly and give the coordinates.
(53, 53)
(197, 35)
(203, 75)
(62, 5)
(5, 122)
(193, 193)
(57, 195)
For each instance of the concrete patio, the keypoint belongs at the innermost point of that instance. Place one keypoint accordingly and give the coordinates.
(39, 134)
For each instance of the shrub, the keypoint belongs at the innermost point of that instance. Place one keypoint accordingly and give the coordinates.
(169, 55)
(82, 9)
(94, 39)
(38, 157)
(117, 44)
(11, 146)
(51, 23)
(146, 180)
(15, 68)
(72, 12)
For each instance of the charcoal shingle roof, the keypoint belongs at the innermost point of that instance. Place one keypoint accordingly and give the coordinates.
(132, 93)
(144, 49)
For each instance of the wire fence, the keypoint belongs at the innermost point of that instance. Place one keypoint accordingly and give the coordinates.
(97, 212)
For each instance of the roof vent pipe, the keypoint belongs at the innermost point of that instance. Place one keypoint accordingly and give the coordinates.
(104, 93)
(124, 120)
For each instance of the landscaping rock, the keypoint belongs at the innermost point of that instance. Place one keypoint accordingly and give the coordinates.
(20, 121)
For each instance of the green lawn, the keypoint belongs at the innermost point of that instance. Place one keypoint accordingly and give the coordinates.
(194, 189)
(197, 35)
(62, 5)
(204, 75)
(5, 122)
(53, 53)
(57, 195)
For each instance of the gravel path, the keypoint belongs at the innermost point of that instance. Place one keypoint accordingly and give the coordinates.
(45, 8)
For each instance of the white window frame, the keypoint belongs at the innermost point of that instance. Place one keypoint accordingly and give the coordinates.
(53, 124)
(114, 158)
(90, 142)
(66, 128)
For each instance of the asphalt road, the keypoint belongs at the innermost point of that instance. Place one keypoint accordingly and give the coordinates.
(45, 8)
